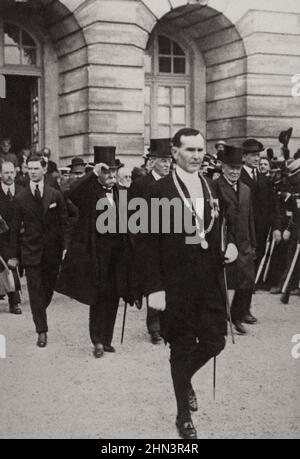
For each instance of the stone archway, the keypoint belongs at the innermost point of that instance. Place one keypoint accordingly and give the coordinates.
(222, 48)
(65, 117)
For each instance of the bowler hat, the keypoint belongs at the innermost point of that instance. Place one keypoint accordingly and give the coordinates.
(284, 136)
(77, 161)
(220, 142)
(160, 148)
(106, 155)
(252, 146)
(231, 155)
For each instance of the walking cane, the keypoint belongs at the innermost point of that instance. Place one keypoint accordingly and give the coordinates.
(124, 321)
(226, 285)
(263, 260)
(215, 376)
(269, 260)
(285, 288)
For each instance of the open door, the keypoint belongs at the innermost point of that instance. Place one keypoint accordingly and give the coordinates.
(19, 112)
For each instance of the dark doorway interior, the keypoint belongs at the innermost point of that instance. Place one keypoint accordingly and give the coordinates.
(15, 111)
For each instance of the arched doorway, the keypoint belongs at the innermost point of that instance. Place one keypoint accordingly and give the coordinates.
(21, 65)
(215, 75)
(39, 57)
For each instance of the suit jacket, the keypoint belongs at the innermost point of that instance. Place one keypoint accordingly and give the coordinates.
(236, 209)
(192, 277)
(90, 255)
(139, 188)
(265, 204)
(7, 212)
(43, 229)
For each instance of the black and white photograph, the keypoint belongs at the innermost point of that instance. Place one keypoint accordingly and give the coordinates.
(149, 222)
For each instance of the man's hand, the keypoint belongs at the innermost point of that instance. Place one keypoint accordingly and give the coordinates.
(12, 263)
(231, 253)
(157, 301)
(277, 236)
(98, 167)
(286, 235)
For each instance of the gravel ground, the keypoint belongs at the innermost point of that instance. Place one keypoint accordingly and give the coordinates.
(63, 392)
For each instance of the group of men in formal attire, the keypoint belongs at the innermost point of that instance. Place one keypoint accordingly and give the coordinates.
(185, 284)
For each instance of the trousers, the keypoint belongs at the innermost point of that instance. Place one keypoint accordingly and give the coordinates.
(41, 280)
(189, 353)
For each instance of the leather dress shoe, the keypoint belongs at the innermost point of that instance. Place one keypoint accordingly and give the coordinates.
(193, 404)
(186, 429)
(42, 340)
(108, 348)
(15, 309)
(250, 319)
(240, 327)
(285, 298)
(98, 350)
(156, 338)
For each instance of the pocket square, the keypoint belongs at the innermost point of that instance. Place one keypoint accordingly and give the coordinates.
(53, 205)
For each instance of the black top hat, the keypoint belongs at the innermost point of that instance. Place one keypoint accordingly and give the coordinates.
(284, 136)
(160, 148)
(77, 161)
(106, 155)
(231, 155)
(252, 146)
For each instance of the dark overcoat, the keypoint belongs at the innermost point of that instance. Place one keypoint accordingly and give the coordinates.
(236, 208)
(265, 208)
(86, 266)
(191, 277)
(139, 187)
(7, 213)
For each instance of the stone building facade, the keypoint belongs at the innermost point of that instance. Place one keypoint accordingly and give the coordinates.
(81, 73)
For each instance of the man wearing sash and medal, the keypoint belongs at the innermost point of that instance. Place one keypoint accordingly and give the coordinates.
(183, 275)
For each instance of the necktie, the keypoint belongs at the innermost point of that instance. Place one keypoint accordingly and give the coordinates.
(9, 195)
(108, 190)
(37, 194)
(254, 175)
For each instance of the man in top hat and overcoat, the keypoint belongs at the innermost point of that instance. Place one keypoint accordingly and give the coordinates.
(160, 161)
(95, 270)
(236, 206)
(265, 203)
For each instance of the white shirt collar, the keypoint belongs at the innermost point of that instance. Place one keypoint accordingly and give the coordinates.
(5, 188)
(156, 175)
(249, 170)
(233, 185)
(40, 184)
(186, 177)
